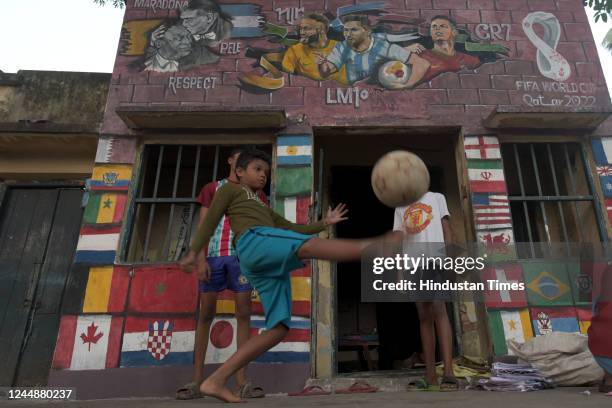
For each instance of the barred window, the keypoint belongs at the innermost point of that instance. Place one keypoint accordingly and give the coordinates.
(165, 210)
(551, 194)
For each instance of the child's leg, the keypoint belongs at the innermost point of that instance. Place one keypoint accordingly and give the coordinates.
(428, 340)
(255, 346)
(208, 304)
(444, 334)
(243, 323)
(342, 250)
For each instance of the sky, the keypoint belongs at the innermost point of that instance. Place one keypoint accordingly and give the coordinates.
(79, 35)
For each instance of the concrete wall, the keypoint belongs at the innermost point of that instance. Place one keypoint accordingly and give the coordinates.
(75, 98)
(49, 124)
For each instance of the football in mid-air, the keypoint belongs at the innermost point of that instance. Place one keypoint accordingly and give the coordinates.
(400, 178)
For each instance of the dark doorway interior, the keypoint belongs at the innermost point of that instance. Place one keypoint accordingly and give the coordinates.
(391, 329)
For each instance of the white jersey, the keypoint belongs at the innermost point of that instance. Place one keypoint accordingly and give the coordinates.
(422, 221)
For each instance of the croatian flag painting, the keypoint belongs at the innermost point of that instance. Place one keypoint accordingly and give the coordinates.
(158, 341)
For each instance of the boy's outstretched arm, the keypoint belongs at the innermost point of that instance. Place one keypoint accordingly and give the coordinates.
(332, 217)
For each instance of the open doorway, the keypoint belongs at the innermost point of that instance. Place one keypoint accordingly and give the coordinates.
(369, 336)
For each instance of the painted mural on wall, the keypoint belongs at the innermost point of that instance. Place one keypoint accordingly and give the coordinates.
(444, 61)
(191, 39)
(364, 43)
(358, 43)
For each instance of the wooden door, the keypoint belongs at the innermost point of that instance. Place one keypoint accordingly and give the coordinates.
(39, 230)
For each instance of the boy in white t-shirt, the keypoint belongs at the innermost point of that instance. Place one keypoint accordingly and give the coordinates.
(427, 221)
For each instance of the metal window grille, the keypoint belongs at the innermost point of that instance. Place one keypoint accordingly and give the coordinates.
(165, 209)
(551, 195)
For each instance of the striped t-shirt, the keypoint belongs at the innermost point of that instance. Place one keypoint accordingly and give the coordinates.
(361, 65)
(220, 243)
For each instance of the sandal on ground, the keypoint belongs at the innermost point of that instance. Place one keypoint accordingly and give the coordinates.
(605, 388)
(420, 384)
(248, 391)
(188, 392)
(358, 387)
(449, 383)
(311, 390)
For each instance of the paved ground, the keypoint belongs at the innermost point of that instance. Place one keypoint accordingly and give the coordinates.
(562, 397)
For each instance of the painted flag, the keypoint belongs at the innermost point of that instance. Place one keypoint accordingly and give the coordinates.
(158, 341)
(106, 289)
(294, 209)
(163, 289)
(247, 19)
(604, 170)
(581, 281)
(547, 283)
(300, 293)
(491, 211)
(584, 319)
(105, 208)
(374, 6)
(548, 320)
(602, 150)
(105, 147)
(609, 209)
(486, 176)
(97, 245)
(111, 177)
(482, 147)
(586, 280)
(294, 150)
(509, 325)
(606, 185)
(295, 347)
(293, 181)
(89, 342)
(504, 298)
(498, 245)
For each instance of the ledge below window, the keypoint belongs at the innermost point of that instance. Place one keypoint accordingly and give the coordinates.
(511, 117)
(201, 117)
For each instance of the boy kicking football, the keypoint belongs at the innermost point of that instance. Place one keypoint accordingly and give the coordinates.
(269, 248)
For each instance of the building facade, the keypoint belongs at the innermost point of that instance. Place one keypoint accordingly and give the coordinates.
(49, 127)
(504, 100)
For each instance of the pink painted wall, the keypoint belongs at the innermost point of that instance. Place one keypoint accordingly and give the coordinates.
(458, 98)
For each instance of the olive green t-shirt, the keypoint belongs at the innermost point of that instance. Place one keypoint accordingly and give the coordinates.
(245, 210)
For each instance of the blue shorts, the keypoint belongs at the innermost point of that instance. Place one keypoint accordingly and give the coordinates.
(267, 256)
(225, 273)
(605, 363)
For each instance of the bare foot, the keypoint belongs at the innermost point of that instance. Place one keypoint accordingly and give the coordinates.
(213, 388)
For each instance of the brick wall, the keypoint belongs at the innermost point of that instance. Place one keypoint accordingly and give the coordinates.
(459, 98)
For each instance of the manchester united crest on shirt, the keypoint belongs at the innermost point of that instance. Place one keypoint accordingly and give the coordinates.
(417, 217)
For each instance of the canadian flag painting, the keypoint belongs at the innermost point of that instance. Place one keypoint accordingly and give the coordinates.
(89, 342)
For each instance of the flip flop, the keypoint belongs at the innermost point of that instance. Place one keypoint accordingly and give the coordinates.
(188, 392)
(358, 387)
(605, 388)
(311, 390)
(248, 391)
(420, 384)
(449, 384)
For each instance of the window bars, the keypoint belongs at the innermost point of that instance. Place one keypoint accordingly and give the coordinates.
(551, 195)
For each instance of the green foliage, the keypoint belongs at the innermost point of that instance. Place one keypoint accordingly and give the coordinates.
(607, 41)
(602, 8)
(115, 3)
